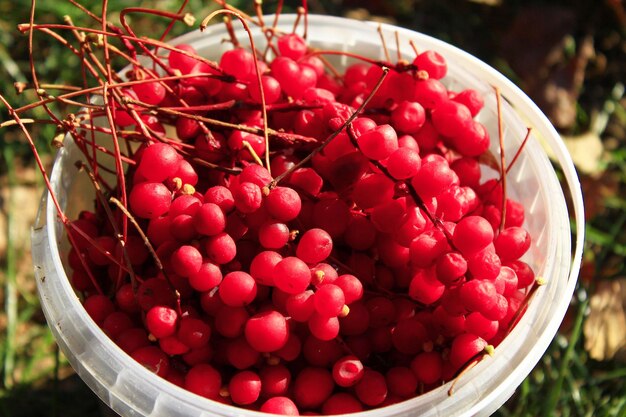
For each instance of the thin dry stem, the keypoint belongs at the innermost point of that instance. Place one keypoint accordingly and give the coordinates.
(383, 42)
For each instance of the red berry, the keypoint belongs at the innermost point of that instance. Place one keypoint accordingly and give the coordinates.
(433, 63)
(244, 387)
(150, 200)
(472, 234)
(283, 203)
(267, 331)
(371, 390)
(347, 371)
(315, 246)
(161, 321)
(186, 260)
(312, 387)
(329, 300)
(204, 380)
(292, 275)
(237, 289)
(159, 161)
(280, 405)
(153, 359)
(247, 196)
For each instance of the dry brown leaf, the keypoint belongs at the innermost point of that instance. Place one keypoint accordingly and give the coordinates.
(605, 327)
(587, 151)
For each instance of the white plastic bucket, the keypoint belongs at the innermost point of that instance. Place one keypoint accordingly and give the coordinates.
(131, 390)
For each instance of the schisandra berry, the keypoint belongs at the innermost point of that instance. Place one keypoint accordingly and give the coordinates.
(292, 275)
(283, 203)
(204, 380)
(347, 371)
(244, 387)
(161, 321)
(315, 246)
(237, 289)
(150, 200)
(267, 331)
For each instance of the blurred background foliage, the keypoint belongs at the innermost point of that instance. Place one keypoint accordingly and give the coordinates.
(568, 55)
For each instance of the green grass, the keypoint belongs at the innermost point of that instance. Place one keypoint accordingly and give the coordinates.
(36, 379)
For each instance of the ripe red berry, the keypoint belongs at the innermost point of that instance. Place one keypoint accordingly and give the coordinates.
(208, 277)
(204, 380)
(314, 246)
(427, 367)
(512, 243)
(280, 405)
(159, 161)
(379, 143)
(193, 332)
(237, 289)
(301, 306)
(150, 200)
(244, 387)
(312, 386)
(292, 275)
(404, 163)
(401, 381)
(329, 300)
(267, 331)
(347, 371)
(247, 196)
(371, 390)
(433, 63)
(275, 380)
(209, 219)
(408, 117)
(472, 234)
(273, 235)
(221, 248)
(153, 359)
(161, 321)
(478, 294)
(323, 327)
(464, 347)
(262, 266)
(292, 46)
(283, 203)
(186, 260)
(341, 403)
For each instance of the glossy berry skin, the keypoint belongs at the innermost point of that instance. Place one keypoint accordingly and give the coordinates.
(209, 219)
(161, 321)
(465, 347)
(283, 203)
(244, 387)
(292, 275)
(433, 63)
(267, 331)
(312, 387)
(237, 289)
(158, 162)
(347, 371)
(314, 246)
(472, 234)
(280, 405)
(150, 200)
(204, 380)
(512, 243)
(329, 300)
(372, 388)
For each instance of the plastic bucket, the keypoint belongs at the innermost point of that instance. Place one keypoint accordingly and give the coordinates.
(130, 390)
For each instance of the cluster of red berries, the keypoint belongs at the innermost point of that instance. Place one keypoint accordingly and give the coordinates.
(372, 273)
